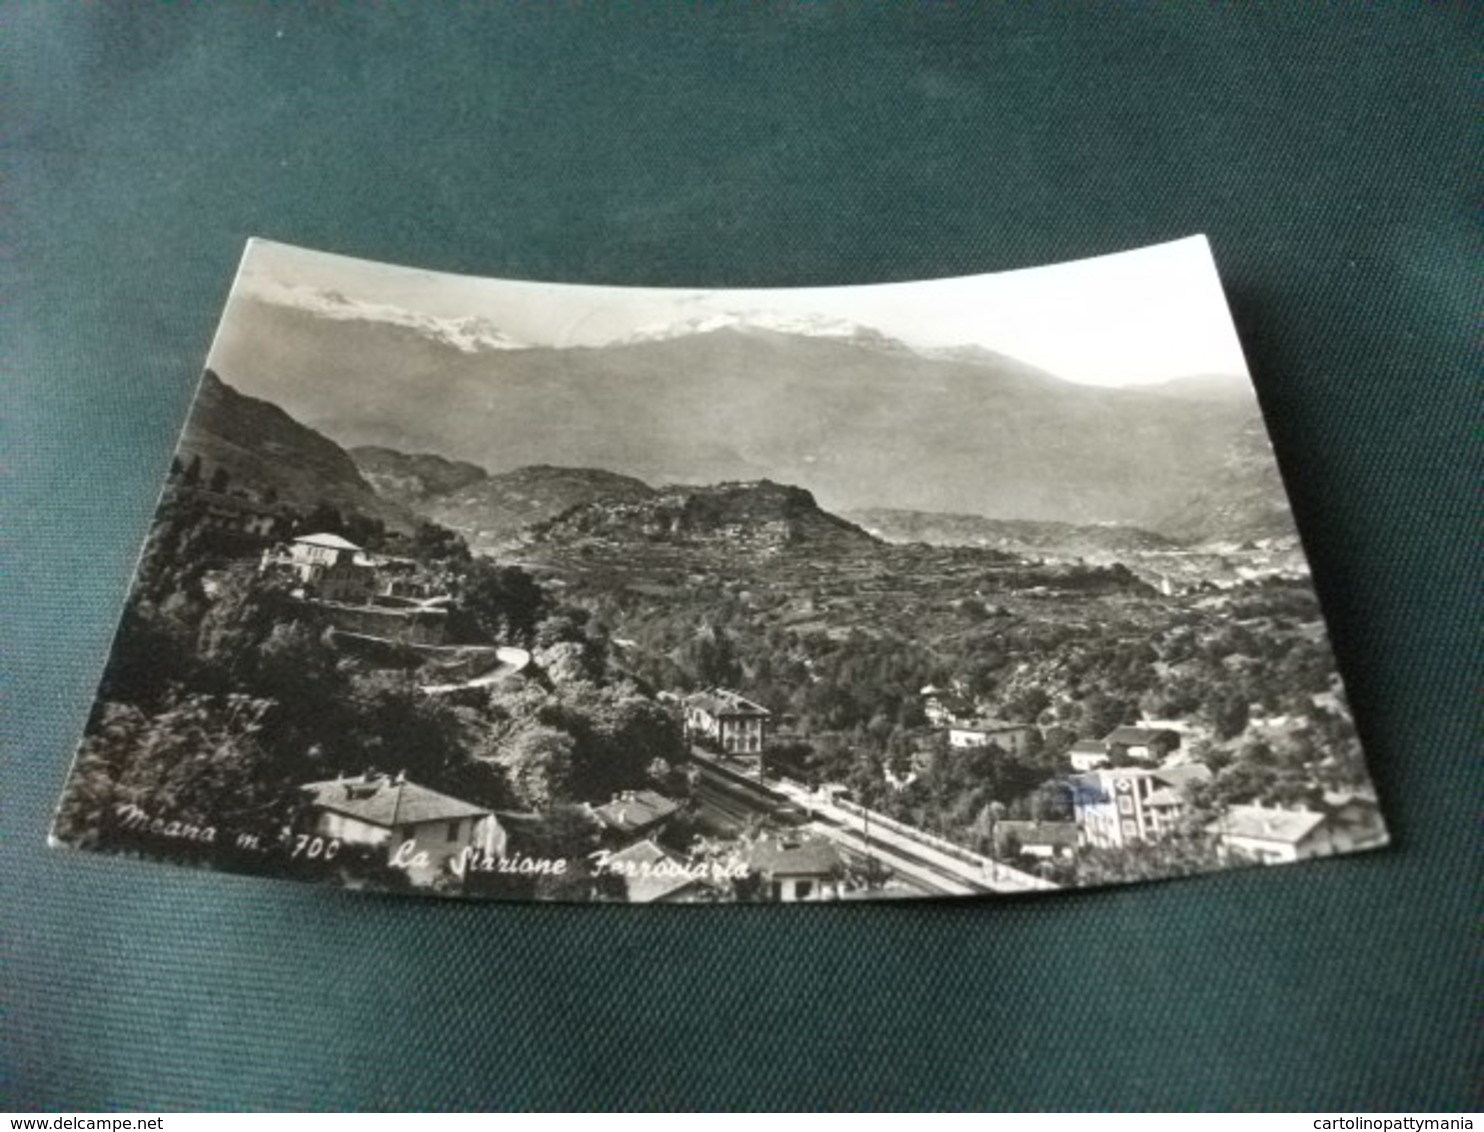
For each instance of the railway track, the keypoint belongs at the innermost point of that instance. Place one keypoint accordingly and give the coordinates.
(726, 793)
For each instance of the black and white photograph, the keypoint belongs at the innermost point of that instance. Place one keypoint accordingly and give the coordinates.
(486, 588)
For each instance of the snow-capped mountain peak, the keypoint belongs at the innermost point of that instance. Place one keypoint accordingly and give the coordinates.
(471, 334)
(805, 324)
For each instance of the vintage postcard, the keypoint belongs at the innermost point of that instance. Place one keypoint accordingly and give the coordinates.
(486, 588)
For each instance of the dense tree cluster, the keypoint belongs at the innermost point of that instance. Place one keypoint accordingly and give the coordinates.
(1249, 668)
(223, 686)
(224, 694)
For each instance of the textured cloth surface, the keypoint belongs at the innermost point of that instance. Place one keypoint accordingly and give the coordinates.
(1329, 152)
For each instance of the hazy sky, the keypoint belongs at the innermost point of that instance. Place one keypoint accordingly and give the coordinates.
(1133, 318)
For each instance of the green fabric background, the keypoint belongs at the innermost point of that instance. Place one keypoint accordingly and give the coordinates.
(1330, 151)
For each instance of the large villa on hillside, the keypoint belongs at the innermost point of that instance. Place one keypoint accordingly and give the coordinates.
(374, 595)
(326, 566)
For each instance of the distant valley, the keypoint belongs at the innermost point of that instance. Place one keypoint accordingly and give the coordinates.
(1016, 536)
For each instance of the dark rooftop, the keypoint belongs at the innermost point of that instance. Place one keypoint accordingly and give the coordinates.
(649, 873)
(990, 726)
(1140, 736)
(1262, 824)
(1178, 776)
(1058, 833)
(388, 803)
(720, 701)
(634, 810)
(794, 857)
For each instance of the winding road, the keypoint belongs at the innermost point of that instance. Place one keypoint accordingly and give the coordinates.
(511, 660)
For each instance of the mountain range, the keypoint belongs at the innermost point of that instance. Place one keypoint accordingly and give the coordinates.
(556, 516)
(757, 519)
(806, 325)
(413, 480)
(858, 419)
(262, 447)
(493, 513)
(470, 334)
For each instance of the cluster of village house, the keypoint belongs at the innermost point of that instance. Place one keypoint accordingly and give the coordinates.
(429, 836)
(324, 567)
(1142, 799)
(375, 595)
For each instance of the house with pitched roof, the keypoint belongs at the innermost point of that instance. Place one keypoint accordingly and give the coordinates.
(420, 829)
(320, 550)
(326, 567)
(1044, 839)
(652, 876)
(1012, 738)
(635, 814)
(1088, 754)
(1146, 744)
(1272, 836)
(727, 721)
(796, 869)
